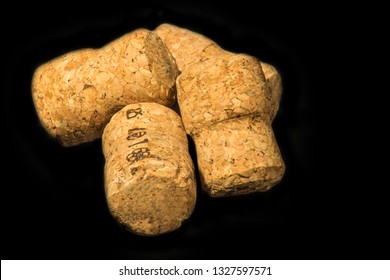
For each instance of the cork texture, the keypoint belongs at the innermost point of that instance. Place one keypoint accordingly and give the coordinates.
(76, 94)
(149, 175)
(274, 83)
(238, 156)
(226, 106)
(187, 47)
(221, 88)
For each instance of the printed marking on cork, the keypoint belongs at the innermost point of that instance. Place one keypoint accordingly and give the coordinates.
(149, 175)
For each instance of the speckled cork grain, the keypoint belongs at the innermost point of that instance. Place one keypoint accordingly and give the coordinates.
(227, 108)
(149, 175)
(188, 47)
(227, 102)
(76, 94)
(274, 84)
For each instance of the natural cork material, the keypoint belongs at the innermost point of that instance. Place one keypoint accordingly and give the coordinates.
(149, 176)
(274, 83)
(227, 109)
(188, 47)
(76, 94)
(227, 103)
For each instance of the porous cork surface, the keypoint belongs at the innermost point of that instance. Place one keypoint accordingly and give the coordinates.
(76, 94)
(187, 47)
(221, 88)
(274, 83)
(149, 175)
(226, 107)
(238, 156)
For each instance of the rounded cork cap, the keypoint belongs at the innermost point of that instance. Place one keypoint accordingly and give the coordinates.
(187, 47)
(221, 88)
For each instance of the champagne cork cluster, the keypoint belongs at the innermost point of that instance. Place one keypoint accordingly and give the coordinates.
(150, 182)
(122, 92)
(76, 94)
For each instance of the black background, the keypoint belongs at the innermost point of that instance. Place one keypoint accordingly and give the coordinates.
(329, 204)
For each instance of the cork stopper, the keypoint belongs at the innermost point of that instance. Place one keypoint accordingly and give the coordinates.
(226, 107)
(149, 175)
(76, 94)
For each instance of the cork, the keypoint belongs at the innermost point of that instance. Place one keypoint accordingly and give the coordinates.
(76, 94)
(188, 47)
(149, 175)
(227, 108)
(274, 84)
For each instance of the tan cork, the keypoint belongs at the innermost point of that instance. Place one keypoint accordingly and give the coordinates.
(274, 83)
(227, 102)
(188, 47)
(226, 107)
(149, 175)
(76, 94)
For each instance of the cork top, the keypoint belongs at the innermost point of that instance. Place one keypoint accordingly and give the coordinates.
(187, 47)
(143, 53)
(221, 88)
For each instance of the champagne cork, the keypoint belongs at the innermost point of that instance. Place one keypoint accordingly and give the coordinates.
(227, 103)
(76, 94)
(227, 109)
(149, 175)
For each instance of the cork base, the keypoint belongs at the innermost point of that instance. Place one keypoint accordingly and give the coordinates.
(238, 156)
(152, 207)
